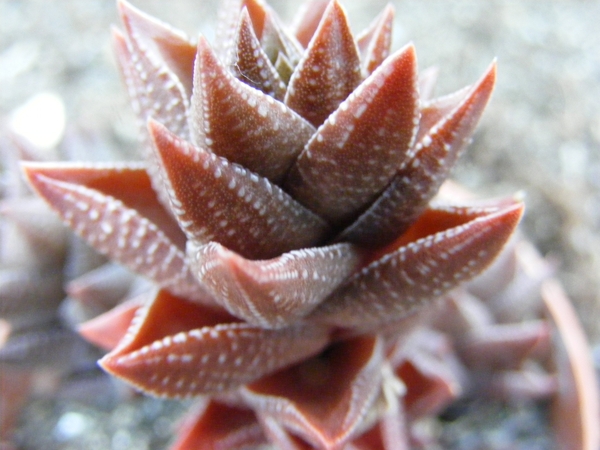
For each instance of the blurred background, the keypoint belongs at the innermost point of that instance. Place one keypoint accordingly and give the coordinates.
(540, 134)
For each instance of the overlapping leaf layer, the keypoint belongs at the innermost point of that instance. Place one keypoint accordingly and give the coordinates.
(283, 213)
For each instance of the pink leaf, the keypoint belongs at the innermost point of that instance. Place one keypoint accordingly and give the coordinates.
(375, 42)
(162, 41)
(217, 426)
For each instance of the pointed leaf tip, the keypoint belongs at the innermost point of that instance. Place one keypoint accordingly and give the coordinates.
(444, 248)
(445, 129)
(329, 70)
(175, 348)
(324, 399)
(276, 292)
(243, 124)
(362, 144)
(215, 200)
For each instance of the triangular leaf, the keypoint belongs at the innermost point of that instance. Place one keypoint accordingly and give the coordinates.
(242, 124)
(329, 70)
(276, 292)
(252, 65)
(177, 348)
(444, 248)
(419, 179)
(215, 200)
(324, 399)
(115, 210)
(357, 151)
(375, 42)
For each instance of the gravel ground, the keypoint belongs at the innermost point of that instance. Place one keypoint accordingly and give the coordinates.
(541, 133)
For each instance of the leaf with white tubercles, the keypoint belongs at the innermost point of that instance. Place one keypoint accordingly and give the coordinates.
(444, 248)
(362, 144)
(329, 70)
(323, 399)
(106, 330)
(115, 210)
(228, 17)
(155, 90)
(134, 76)
(375, 42)
(215, 200)
(242, 124)
(162, 41)
(177, 348)
(276, 292)
(415, 184)
(252, 65)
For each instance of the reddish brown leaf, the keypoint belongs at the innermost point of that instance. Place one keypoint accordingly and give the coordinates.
(362, 144)
(161, 41)
(217, 426)
(252, 65)
(419, 179)
(276, 292)
(177, 348)
(115, 210)
(324, 399)
(444, 248)
(215, 200)
(153, 92)
(106, 330)
(432, 374)
(329, 70)
(242, 124)
(227, 21)
(277, 42)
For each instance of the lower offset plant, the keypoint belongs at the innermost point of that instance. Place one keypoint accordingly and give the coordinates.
(307, 287)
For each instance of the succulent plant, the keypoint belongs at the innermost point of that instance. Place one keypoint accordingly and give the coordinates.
(311, 285)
